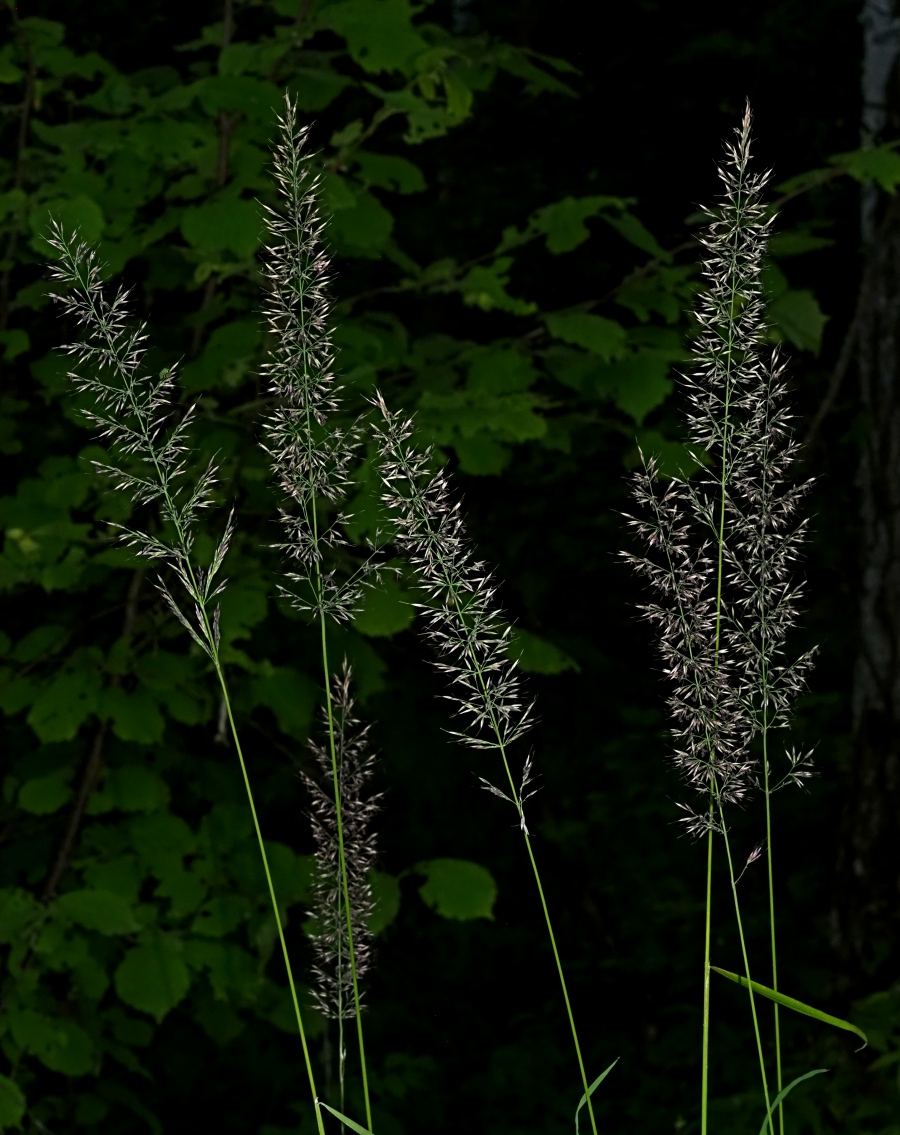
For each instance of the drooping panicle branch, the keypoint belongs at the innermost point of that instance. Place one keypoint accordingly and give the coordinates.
(333, 988)
(134, 411)
(464, 621)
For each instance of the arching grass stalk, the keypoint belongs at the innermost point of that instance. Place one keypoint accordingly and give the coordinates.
(132, 410)
(467, 628)
(693, 526)
(310, 456)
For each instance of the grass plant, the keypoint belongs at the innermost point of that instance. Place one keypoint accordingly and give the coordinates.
(312, 457)
(721, 547)
(133, 409)
(470, 635)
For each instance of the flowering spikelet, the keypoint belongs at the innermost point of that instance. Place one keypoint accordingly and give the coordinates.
(720, 544)
(133, 411)
(464, 623)
(311, 459)
(333, 989)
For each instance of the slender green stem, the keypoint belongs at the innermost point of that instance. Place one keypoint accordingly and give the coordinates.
(329, 706)
(704, 1102)
(265, 862)
(756, 1033)
(772, 915)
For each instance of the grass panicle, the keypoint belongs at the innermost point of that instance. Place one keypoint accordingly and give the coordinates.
(134, 411)
(720, 550)
(311, 452)
(467, 628)
(333, 980)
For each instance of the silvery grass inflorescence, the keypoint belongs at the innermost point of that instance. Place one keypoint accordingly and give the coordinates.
(333, 978)
(721, 545)
(468, 630)
(312, 456)
(134, 410)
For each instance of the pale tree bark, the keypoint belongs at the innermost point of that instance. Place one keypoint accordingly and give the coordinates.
(867, 907)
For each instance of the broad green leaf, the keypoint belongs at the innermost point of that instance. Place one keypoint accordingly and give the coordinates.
(481, 455)
(18, 910)
(796, 315)
(58, 1042)
(485, 287)
(673, 459)
(12, 1104)
(793, 1003)
(42, 640)
(244, 606)
(229, 225)
(501, 371)
(537, 656)
(230, 969)
(120, 875)
(363, 229)
(290, 695)
(351, 1123)
(226, 358)
(44, 795)
(563, 222)
(220, 916)
(79, 215)
(135, 715)
(131, 788)
(458, 888)
(315, 88)
(637, 383)
(591, 1089)
(245, 94)
(103, 911)
(881, 165)
(603, 337)
(159, 836)
(153, 977)
(15, 342)
(389, 171)
(63, 706)
(385, 900)
(386, 609)
(291, 873)
(784, 1092)
(380, 37)
(629, 227)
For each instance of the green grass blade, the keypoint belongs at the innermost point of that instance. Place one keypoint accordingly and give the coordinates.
(590, 1091)
(360, 1130)
(793, 1003)
(784, 1092)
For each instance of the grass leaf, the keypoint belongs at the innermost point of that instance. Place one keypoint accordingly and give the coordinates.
(793, 1003)
(590, 1091)
(784, 1092)
(343, 1118)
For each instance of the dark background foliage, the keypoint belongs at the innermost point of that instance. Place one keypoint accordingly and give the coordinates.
(465, 1027)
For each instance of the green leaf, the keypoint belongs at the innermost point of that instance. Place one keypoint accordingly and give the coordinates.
(503, 370)
(18, 910)
(363, 229)
(132, 788)
(386, 609)
(229, 225)
(44, 795)
(58, 1042)
(62, 707)
(244, 606)
(458, 888)
(485, 287)
(604, 337)
(80, 216)
(385, 900)
(220, 916)
(793, 1003)
(389, 171)
(290, 695)
(563, 222)
(797, 316)
(637, 383)
(103, 911)
(153, 977)
(593, 1087)
(629, 227)
(784, 1092)
(228, 355)
(537, 656)
(352, 1124)
(380, 37)
(135, 716)
(42, 640)
(12, 1104)
(881, 165)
